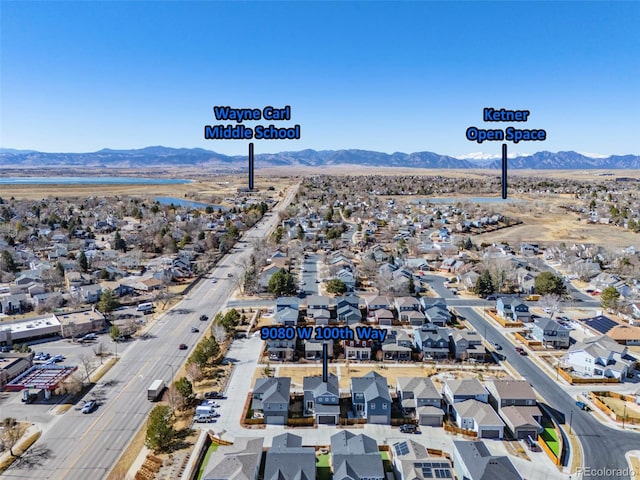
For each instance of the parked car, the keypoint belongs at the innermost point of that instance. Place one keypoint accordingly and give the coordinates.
(497, 346)
(194, 330)
(229, 275)
(203, 318)
(202, 418)
(89, 407)
(583, 406)
(409, 428)
(213, 280)
(521, 351)
(213, 395)
(182, 346)
(240, 335)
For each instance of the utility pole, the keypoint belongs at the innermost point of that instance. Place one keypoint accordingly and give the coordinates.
(570, 420)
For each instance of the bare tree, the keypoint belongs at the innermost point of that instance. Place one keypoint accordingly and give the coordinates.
(86, 361)
(384, 283)
(194, 372)
(550, 303)
(12, 432)
(219, 333)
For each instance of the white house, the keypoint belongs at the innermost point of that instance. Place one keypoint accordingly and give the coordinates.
(599, 357)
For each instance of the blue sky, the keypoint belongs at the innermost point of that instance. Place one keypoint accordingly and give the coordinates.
(401, 76)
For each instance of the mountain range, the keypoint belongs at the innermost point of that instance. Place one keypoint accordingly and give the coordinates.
(197, 157)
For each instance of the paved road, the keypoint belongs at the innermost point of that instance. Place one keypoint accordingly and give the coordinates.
(77, 446)
(603, 447)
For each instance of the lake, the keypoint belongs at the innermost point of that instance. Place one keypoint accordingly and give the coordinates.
(181, 202)
(90, 181)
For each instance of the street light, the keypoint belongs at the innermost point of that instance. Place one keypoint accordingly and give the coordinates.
(570, 420)
(624, 415)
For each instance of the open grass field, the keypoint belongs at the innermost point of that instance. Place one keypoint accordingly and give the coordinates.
(212, 448)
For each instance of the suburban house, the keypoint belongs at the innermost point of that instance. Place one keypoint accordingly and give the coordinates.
(348, 300)
(479, 417)
(13, 304)
(370, 398)
(313, 347)
(625, 334)
(513, 310)
(287, 310)
(282, 350)
(377, 302)
(357, 349)
(414, 318)
(437, 313)
(287, 458)
(382, 317)
(347, 278)
(411, 461)
(348, 314)
(404, 305)
(265, 276)
(419, 394)
(322, 399)
(432, 341)
(466, 345)
(239, 461)
(516, 403)
(397, 346)
(455, 391)
(473, 461)
(271, 397)
(316, 303)
(550, 333)
(599, 357)
(355, 457)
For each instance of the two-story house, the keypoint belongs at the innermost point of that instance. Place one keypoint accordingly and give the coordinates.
(512, 309)
(466, 345)
(348, 309)
(370, 398)
(455, 391)
(405, 305)
(313, 347)
(432, 341)
(397, 346)
(287, 458)
(419, 395)
(322, 399)
(516, 403)
(271, 397)
(377, 302)
(287, 311)
(478, 417)
(550, 333)
(600, 357)
(355, 457)
(357, 349)
(437, 313)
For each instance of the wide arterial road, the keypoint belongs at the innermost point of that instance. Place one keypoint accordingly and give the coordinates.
(81, 447)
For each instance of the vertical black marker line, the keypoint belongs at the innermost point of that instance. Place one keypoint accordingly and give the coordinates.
(251, 166)
(504, 171)
(325, 366)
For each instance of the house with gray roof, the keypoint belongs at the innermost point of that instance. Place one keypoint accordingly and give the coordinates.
(271, 397)
(459, 390)
(432, 341)
(349, 314)
(403, 305)
(322, 399)
(478, 417)
(239, 461)
(437, 313)
(599, 357)
(288, 459)
(397, 346)
(370, 398)
(550, 333)
(419, 394)
(411, 461)
(466, 345)
(355, 457)
(473, 461)
(512, 309)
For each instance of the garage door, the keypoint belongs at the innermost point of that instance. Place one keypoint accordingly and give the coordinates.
(431, 420)
(490, 434)
(327, 419)
(523, 434)
(379, 419)
(274, 420)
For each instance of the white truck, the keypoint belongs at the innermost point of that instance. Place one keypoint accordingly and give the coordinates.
(155, 390)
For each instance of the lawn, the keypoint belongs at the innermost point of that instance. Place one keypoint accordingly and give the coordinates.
(212, 448)
(323, 469)
(551, 439)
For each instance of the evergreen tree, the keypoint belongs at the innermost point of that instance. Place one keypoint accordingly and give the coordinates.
(160, 431)
(609, 298)
(547, 283)
(484, 284)
(281, 283)
(83, 263)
